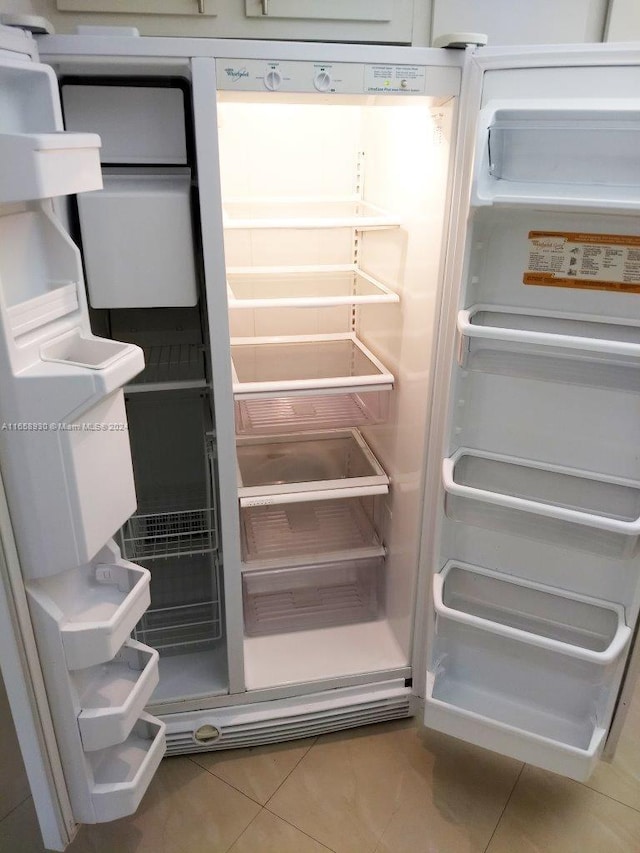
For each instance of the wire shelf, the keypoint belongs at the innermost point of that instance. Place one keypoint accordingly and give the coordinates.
(185, 612)
(146, 536)
(174, 628)
(181, 364)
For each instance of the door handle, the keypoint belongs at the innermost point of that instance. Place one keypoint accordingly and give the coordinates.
(265, 7)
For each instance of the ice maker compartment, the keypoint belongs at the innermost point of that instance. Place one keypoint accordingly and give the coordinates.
(318, 596)
(138, 242)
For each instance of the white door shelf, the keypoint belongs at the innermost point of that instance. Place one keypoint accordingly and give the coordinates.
(304, 287)
(557, 154)
(313, 364)
(305, 597)
(122, 773)
(321, 466)
(468, 713)
(317, 531)
(39, 283)
(280, 415)
(574, 508)
(305, 213)
(550, 618)
(113, 694)
(45, 165)
(580, 334)
(95, 608)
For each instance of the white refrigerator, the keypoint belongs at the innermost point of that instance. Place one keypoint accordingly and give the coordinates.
(319, 398)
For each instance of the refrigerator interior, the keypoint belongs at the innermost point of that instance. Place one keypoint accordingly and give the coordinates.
(141, 245)
(334, 213)
(541, 473)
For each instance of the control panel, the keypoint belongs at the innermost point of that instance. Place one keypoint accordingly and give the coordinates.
(255, 75)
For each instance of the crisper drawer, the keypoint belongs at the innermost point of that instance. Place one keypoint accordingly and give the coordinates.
(315, 596)
(138, 242)
(318, 466)
(314, 531)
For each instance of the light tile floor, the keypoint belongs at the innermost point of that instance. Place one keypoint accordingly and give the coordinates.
(378, 789)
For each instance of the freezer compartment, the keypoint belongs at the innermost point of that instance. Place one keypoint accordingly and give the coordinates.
(518, 699)
(185, 614)
(300, 413)
(137, 241)
(312, 364)
(569, 507)
(320, 466)
(286, 534)
(137, 124)
(592, 338)
(316, 596)
(46, 165)
(122, 773)
(112, 695)
(304, 287)
(302, 213)
(541, 615)
(556, 152)
(95, 607)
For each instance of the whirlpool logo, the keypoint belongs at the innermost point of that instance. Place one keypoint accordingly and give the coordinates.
(236, 73)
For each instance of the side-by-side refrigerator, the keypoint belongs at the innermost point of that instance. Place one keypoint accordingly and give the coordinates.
(319, 400)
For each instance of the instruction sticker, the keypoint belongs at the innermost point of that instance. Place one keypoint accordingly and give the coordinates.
(584, 261)
(395, 79)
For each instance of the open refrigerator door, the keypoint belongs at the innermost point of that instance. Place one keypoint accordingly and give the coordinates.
(76, 682)
(534, 469)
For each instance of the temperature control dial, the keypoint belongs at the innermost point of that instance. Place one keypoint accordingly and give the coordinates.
(272, 79)
(322, 81)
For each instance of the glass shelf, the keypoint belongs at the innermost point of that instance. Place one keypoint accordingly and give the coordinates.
(304, 287)
(301, 213)
(320, 364)
(320, 466)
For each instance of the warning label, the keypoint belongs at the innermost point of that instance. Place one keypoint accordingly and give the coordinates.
(584, 261)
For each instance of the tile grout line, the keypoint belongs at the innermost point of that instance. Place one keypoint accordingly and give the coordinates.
(212, 772)
(302, 757)
(15, 808)
(513, 787)
(288, 822)
(242, 831)
(603, 794)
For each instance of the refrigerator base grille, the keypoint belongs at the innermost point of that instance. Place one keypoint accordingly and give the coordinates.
(285, 726)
